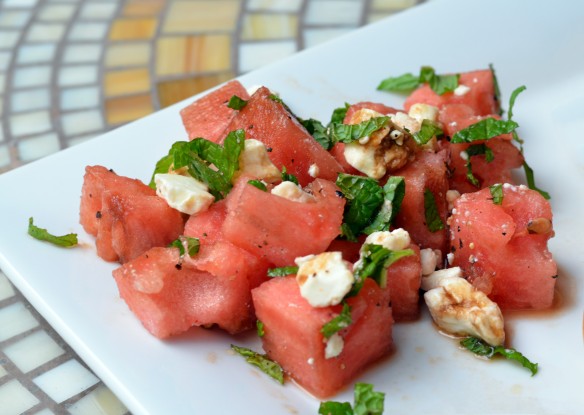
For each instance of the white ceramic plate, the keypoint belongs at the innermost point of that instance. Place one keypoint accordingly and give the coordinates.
(538, 45)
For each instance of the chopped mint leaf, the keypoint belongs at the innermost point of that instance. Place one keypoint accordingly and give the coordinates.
(261, 361)
(433, 220)
(286, 177)
(529, 175)
(236, 103)
(338, 115)
(481, 348)
(347, 233)
(374, 264)
(259, 184)
(276, 98)
(497, 193)
(260, 328)
(477, 150)
(485, 129)
(512, 99)
(343, 320)
(162, 166)
(65, 241)
(316, 129)
(440, 84)
(428, 130)
(394, 191)
(497, 89)
(186, 244)
(282, 271)
(366, 401)
(364, 198)
(404, 83)
(347, 133)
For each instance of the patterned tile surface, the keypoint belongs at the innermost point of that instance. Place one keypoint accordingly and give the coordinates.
(72, 69)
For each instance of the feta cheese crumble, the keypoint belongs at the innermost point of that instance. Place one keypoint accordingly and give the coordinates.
(254, 160)
(183, 193)
(293, 192)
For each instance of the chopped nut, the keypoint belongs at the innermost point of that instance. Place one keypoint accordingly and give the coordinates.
(540, 226)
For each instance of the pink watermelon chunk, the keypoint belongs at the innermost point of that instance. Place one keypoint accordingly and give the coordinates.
(403, 281)
(208, 116)
(293, 339)
(127, 216)
(375, 106)
(480, 97)
(208, 225)
(502, 249)
(279, 230)
(169, 295)
(427, 172)
(291, 145)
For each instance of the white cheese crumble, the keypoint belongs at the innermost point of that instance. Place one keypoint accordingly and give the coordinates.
(403, 120)
(324, 279)
(395, 240)
(430, 259)
(363, 158)
(293, 192)
(334, 346)
(313, 170)
(185, 194)
(254, 160)
(461, 90)
(459, 308)
(451, 197)
(421, 112)
(432, 280)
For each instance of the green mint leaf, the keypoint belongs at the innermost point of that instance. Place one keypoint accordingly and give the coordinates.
(394, 192)
(335, 408)
(262, 362)
(276, 98)
(477, 150)
(343, 320)
(260, 328)
(405, 83)
(440, 84)
(162, 166)
(339, 114)
(364, 198)
(286, 177)
(282, 271)
(347, 233)
(236, 103)
(186, 244)
(485, 129)
(530, 176)
(259, 184)
(497, 193)
(65, 241)
(481, 348)
(347, 133)
(368, 401)
(512, 99)
(374, 264)
(316, 129)
(433, 220)
(428, 130)
(497, 89)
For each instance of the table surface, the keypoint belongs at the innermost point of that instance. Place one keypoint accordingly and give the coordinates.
(71, 70)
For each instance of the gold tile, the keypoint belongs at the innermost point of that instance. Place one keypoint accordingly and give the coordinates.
(188, 54)
(201, 16)
(124, 109)
(142, 8)
(127, 54)
(133, 29)
(259, 26)
(393, 4)
(170, 92)
(126, 82)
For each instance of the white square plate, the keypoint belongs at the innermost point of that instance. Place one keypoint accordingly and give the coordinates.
(535, 44)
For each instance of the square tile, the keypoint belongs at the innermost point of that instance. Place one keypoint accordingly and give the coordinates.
(83, 53)
(56, 12)
(256, 55)
(170, 92)
(30, 123)
(201, 16)
(20, 3)
(79, 98)
(33, 351)
(15, 319)
(187, 54)
(4, 60)
(133, 29)
(4, 156)
(100, 401)
(6, 289)
(30, 99)
(292, 6)
(312, 37)
(98, 11)
(45, 411)
(14, 19)
(36, 53)
(39, 75)
(77, 75)
(45, 32)
(334, 12)
(8, 38)
(127, 54)
(124, 109)
(83, 31)
(65, 380)
(2, 81)
(16, 398)
(82, 122)
(142, 8)
(3, 371)
(33, 148)
(393, 4)
(126, 82)
(258, 26)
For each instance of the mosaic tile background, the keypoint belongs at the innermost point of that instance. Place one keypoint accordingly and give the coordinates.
(73, 69)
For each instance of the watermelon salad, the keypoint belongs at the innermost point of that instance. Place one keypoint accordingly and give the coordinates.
(322, 236)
